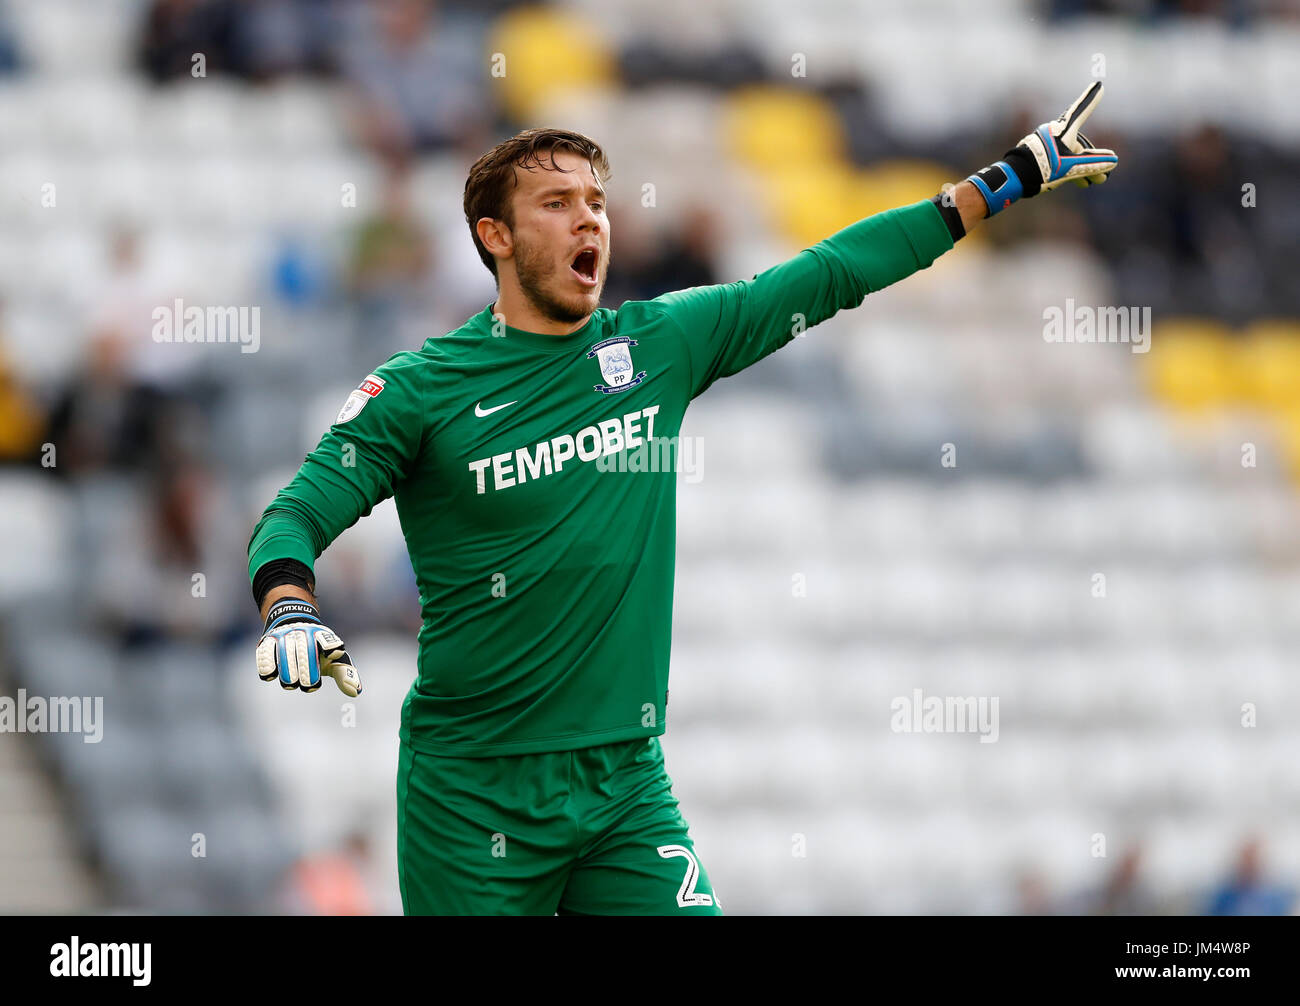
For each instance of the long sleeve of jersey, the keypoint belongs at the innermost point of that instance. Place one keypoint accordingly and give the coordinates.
(730, 326)
(358, 463)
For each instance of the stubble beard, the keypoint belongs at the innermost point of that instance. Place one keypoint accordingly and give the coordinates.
(531, 269)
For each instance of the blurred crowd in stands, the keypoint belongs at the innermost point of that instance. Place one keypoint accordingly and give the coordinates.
(1233, 12)
(1172, 233)
(1246, 888)
(1169, 228)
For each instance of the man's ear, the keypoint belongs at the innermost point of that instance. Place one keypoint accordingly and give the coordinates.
(496, 237)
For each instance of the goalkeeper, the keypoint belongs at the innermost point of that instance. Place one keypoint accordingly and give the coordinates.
(531, 778)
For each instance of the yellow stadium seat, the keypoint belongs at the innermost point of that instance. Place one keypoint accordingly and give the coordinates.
(812, 201)
(541, 52)
(887, 184)
(771, 128)
(1194, 365)
(1271, 365)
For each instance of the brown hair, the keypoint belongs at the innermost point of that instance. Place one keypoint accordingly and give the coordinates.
(492, 178)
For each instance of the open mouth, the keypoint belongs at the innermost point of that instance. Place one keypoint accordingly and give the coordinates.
(584, 266)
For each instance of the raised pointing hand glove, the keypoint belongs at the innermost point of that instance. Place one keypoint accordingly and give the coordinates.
(1053, 154)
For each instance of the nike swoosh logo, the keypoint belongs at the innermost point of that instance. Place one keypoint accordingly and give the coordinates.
(481, 412)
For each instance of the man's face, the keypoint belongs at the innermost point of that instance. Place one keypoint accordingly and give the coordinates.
(561, 237)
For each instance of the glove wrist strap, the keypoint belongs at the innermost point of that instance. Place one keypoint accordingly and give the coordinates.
(1025, 167)
(291, 609)
(999, 185)
(1014, 177)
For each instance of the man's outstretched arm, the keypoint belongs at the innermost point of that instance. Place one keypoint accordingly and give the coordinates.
(727, 327)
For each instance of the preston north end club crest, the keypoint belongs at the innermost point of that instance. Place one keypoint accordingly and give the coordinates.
(615, 358)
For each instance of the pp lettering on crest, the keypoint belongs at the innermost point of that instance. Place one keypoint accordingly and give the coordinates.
(615, 359)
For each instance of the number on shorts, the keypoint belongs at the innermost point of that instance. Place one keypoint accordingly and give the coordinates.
(687, 895)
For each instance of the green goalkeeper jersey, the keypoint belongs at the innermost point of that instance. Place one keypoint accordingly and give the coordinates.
(533, 479)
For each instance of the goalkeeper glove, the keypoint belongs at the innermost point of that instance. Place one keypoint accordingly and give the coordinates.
(298, 648)
(1053, 154)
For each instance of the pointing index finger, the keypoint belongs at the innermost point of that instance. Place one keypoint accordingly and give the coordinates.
(1077, 114)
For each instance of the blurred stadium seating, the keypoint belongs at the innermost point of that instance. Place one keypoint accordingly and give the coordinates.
(129, 183)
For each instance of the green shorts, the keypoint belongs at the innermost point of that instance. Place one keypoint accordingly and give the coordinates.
(594, 831)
